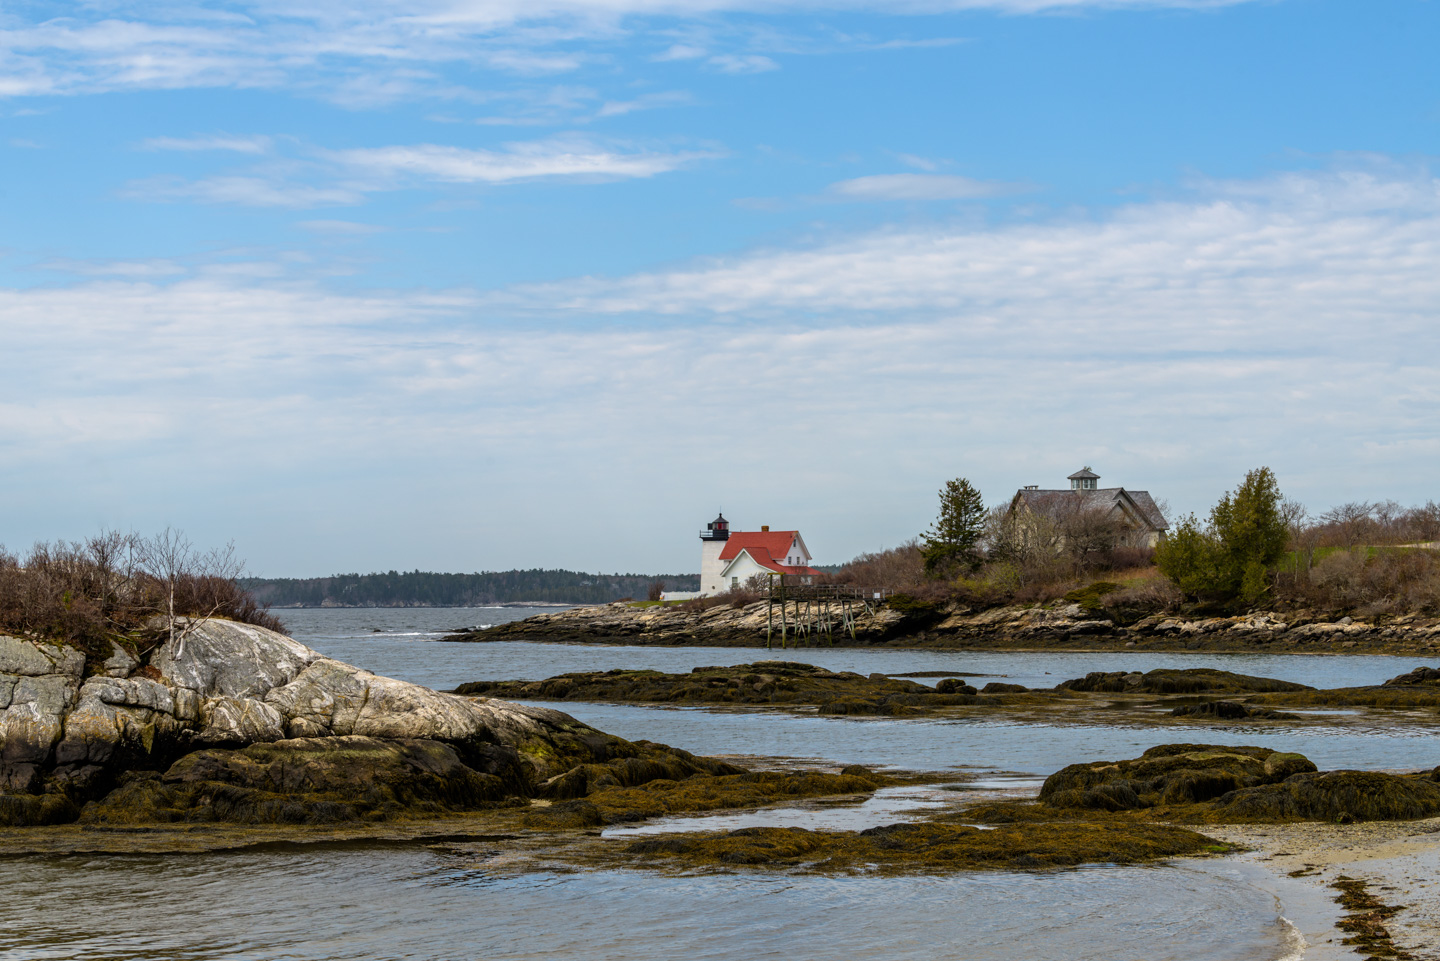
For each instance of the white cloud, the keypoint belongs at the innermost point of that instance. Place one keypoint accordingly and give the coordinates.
(152, 268)
(347, 177)
(383, 51)
(221, 142)
(247, 191)
(649, 101)
(919, 187)
(558, 158)
(919, 163)
(1239, 251)
(742, 63)
(340, 227)
(681, 51)
(1287, 322)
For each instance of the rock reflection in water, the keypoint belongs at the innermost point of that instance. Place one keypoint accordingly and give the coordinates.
(937, 744)
(365, 905)
(889, 805)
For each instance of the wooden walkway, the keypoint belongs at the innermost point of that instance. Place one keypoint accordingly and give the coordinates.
(810, 612)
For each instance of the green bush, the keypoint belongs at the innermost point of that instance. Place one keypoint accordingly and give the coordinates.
(1230, 557)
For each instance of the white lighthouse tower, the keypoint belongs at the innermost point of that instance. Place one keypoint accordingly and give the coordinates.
(712, 543)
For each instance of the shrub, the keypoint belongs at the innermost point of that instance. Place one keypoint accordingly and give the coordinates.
(112, 587)
(897, 569)
(1367, 581)
(1229, 557)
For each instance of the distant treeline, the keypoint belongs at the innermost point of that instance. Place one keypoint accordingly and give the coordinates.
(430, 589)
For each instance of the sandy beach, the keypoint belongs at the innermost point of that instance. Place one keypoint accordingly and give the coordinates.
(1400, 861)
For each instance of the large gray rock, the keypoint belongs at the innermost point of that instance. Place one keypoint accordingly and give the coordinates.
(230, 685)
(33, 658)
(39, 684)
(238, 660)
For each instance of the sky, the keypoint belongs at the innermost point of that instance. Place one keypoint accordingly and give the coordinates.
(481, 284)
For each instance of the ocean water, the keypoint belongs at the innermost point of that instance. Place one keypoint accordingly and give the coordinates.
(400, 644)
(365, 904)
(383, 639)
(376, 903)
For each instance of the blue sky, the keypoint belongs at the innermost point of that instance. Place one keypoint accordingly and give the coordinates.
(468, 285)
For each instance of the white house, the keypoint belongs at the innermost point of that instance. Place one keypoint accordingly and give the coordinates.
(729, 558)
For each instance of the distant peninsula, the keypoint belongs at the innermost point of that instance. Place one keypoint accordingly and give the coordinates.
(431, 589)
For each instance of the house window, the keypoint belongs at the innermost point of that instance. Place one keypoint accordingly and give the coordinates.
(734, 582)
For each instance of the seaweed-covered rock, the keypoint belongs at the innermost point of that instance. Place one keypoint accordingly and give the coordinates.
(1340, 796)
(314, 780)
(777, 683)
(1232, 711)
(1168, 774)
(1000, 687)
(1420, 677)
(657, 762)
(1177, 681)
(923, 847)
(878, 707)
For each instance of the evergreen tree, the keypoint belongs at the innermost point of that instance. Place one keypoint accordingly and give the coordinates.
(1252, 532)
(954, 538)
(1230, 557)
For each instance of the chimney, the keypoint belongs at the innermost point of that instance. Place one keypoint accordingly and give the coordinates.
(764, 528)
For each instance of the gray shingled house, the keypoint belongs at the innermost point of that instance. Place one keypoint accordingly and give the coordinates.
(1086, 500)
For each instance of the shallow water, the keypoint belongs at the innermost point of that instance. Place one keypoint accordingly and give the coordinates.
(934, 744)
(890, 805)
(384, 640)
(368, 904)
(377, 903)
(917, 743)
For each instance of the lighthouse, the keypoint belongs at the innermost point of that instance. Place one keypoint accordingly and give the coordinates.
(712, 543)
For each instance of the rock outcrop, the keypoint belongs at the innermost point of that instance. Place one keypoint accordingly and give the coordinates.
(722, 625)
(238, 722)
(1193, 680)
(771, 683)
(1060, 625)
(1225, 784)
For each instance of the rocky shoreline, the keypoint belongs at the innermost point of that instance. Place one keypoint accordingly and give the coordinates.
(1061, 626)
(1164, 697)
(235, 723)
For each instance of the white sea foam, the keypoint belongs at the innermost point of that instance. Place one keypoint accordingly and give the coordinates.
(1295, 943)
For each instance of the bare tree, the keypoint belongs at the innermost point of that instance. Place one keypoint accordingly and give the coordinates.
(174, 562)
(113, 559)
(1350, 523)
(1302, 535)
(1422, 524)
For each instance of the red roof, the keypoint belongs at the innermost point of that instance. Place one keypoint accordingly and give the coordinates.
(771, 544)
(764, 547)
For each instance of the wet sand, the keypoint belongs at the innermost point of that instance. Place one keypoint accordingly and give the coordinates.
(1399, 859)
